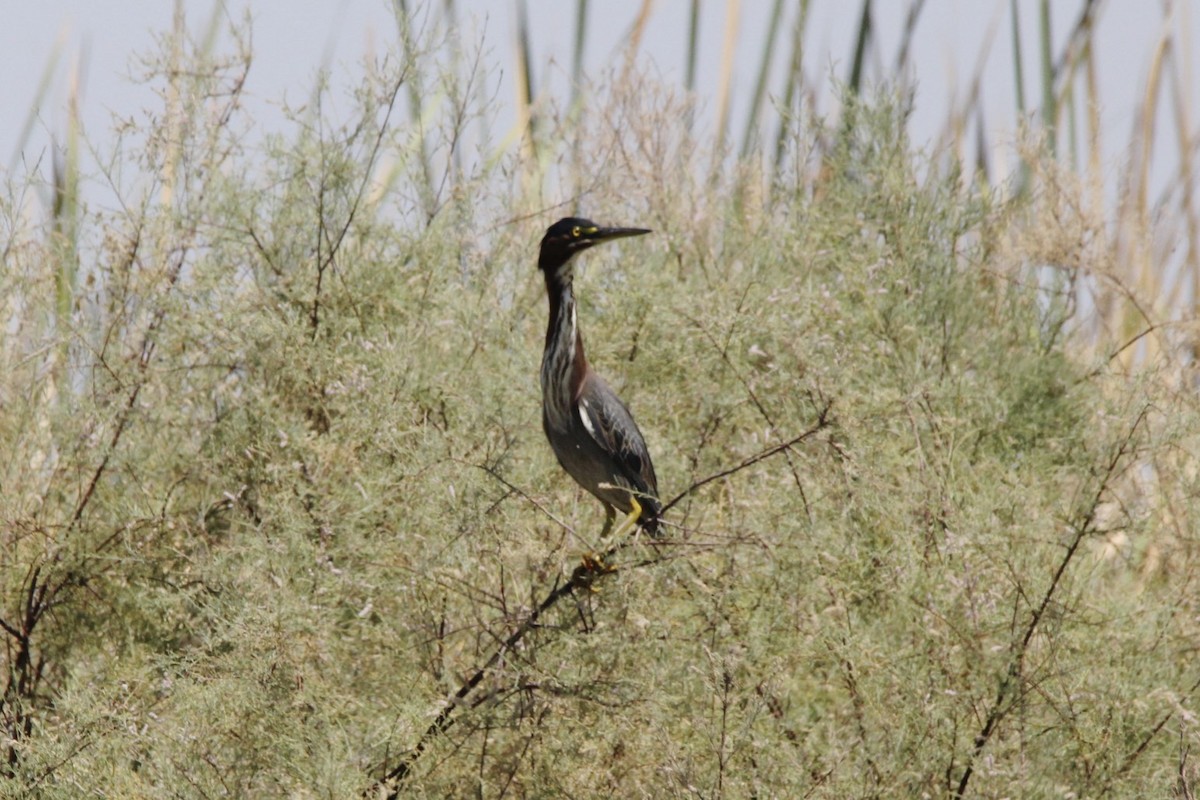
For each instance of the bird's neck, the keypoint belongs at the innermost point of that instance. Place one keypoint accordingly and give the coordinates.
(563, 361)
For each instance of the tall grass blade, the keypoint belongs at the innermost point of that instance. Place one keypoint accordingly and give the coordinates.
(1186, 136)
(581, 9)
(1018, 60)
(1067, 104)
(637, 31)
(982, 170)
(854, 81)
(725, 74)
(39, 97)
(417, 100)
(693, 48)
(906, 37)
(959, 119)
(1018, 57)
(1134, 252)
(65, 222)
(1067, 67)
(525, 93)
(1095, 174)
(795, 80)
(1185, 142)
(458, 49)
(750, 134)
(1147, 118)
(1049, 103)
(861, 40)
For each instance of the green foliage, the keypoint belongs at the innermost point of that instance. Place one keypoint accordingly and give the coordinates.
(292, 495)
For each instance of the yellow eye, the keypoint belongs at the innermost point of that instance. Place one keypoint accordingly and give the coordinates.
(575, 232)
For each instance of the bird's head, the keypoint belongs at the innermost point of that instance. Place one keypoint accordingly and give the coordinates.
(572, 235)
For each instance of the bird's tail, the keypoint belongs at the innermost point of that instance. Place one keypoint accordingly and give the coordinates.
(651, 510)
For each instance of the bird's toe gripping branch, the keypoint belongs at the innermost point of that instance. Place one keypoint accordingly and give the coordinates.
(594, 563)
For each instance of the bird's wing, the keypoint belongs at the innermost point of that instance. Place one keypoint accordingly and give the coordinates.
(609, 422)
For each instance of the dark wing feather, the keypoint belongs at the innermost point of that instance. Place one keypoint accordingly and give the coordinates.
(611, 425)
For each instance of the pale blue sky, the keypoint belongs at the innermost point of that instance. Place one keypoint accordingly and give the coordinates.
(292, 38)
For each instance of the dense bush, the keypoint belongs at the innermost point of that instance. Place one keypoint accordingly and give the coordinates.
(276, 490)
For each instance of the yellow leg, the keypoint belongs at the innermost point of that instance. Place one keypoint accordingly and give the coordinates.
(594, 562)
(630, 521)
(610, 514)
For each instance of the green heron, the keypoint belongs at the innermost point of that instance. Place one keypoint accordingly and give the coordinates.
(590, 430)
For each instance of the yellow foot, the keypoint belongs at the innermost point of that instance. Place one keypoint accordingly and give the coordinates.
(594, 562)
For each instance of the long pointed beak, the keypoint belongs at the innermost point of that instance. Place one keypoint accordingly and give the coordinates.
(606, 234)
